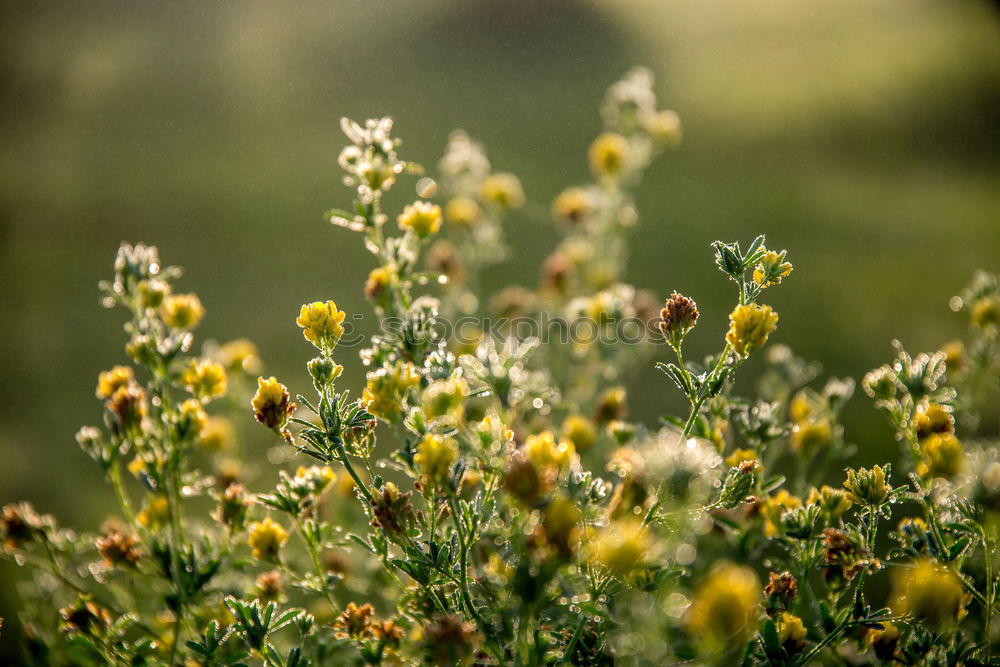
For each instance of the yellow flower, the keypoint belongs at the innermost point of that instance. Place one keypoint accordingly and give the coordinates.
(435, 456)
(128, 406)
(832, 502)
(932, 418)
(321, 324)
(580, 431)
(739, 456)
(386, 389)
(218, 434)
(931, 592)
(109, 382)
(314, 479)
(443, 398)
(378, 280)
(561, 523)
(985, 311)
(943, 456)
(543, 451)
(611, 404)
(272, 403)
(608, 154)
(811, 436)
(423, 218)
(800, 408)
(955, 356)
(884, 642)
(621, 546)
(572, 205)
(749, 327)
(771, 269)
(266, 539)
(205, 379)
(502, 190)
(462, 211)
(664, 127)
(867, 486)
(155, 514)
(240, 355)
(153, 292)
(182, 311)
(724, 608)
(791, 633)
(774, 507)
(191, 419)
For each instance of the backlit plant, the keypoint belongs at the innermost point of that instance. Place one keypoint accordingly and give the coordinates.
(484, 497)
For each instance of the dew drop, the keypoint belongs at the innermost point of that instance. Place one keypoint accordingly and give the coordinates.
(686, 554)
(537, 403)
(427, 187)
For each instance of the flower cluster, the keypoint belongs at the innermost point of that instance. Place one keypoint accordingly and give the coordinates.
(490, 500)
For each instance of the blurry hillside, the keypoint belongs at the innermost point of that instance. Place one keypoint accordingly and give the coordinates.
(864, 137)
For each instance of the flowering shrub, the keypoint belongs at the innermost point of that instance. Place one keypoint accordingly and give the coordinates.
(484, 499)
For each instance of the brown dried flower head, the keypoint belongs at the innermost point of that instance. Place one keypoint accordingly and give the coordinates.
(677, 318)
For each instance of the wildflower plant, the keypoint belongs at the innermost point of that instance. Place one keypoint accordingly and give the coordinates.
(484, 498)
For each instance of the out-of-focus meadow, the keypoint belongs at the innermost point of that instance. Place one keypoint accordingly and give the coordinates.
(862, 136)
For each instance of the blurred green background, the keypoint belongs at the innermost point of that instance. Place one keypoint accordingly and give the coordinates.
(863, 136)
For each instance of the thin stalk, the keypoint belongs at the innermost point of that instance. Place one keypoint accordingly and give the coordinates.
(317, 565)
(124, 502)
(703, 394)
(843, 625)
(176, 540)
(988, 564)
(53, 567)
(464, 575)
(345, 459)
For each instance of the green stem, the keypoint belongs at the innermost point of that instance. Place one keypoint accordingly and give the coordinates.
(345, 459)
(843, 625)
(124, 502)
(988, 564)
(317, 565)
(464, 575)
(53, 567)
(703, 393)
(568, 653)
(176, 541)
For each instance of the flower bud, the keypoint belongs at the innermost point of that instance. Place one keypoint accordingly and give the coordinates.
(738, 484)
(324, 371)
(867, 486)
